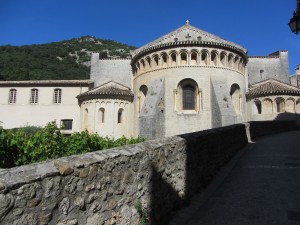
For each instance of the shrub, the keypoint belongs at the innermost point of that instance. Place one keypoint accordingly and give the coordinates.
(32, 144)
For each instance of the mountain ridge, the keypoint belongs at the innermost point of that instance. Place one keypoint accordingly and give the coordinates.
(62, 60)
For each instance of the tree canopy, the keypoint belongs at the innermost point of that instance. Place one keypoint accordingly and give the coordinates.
(64, 60)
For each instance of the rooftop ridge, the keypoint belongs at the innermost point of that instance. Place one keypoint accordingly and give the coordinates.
(110, 81)
(184, 32)
(103, 92)
(264, 57)
(188, 43)
(272, 80)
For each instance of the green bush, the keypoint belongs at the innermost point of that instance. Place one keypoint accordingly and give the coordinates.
(32, 144)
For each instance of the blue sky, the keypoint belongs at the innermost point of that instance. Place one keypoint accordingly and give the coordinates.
(258, 25)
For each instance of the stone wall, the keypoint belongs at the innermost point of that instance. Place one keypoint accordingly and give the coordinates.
(105, 70)
(274, 66)
(109, 126)
(105, 187)
(261, 128)
(151, 123)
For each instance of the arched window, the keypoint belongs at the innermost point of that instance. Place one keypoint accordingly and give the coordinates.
(194, 58)
(12, 96)
(290, 105)
(101, 115)
(173, 59)
(188, 97)
(261, 72)
(204, 58)
(230, 61)
(257, 104)
(235, 93)
(142, 95)
(267, 106)
(155, 59)
(34, 96)
(134, 70)
(223, 58)
(214, 58)
(183, 57)
(236, 63)
(142, 65)
(57, 96)
(120, 115)
(279, 105)
(164, 59)
(148, 63)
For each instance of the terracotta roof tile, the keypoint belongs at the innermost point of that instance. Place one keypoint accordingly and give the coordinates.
(110, 89)
(271, 87)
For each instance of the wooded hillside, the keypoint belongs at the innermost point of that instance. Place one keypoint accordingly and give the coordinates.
(64, 60)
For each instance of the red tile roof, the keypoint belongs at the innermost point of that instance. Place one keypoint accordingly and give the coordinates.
(108, 90)
(271, 87)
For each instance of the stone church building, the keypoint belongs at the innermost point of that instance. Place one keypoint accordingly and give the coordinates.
(188, 80)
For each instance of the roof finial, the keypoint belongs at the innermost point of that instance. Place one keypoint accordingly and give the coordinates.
(187, 22)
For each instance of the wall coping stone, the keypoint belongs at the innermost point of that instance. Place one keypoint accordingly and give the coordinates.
(15, 177)
(156, 165)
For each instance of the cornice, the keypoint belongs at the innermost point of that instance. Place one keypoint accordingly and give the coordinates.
(169, 45)
(173, 67)
(264, 57)
(83, 98)
(273, 93)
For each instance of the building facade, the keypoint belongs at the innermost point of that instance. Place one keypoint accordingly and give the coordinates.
(36, 103)
(185, 81)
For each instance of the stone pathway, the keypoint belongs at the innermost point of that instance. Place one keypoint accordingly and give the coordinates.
(260, 186)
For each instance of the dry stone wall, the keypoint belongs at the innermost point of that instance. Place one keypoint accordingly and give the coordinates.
(105, 187)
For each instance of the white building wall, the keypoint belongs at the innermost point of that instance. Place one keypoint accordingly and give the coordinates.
(214, 80)
(274, 66)
(178, 122)
(222, 81)
(110, 126)
(291, 108)
(22, 113)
